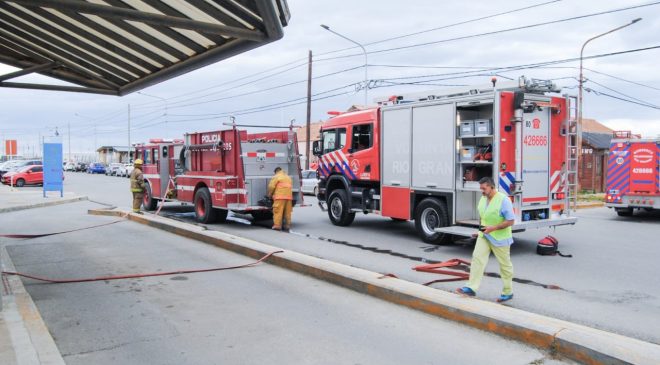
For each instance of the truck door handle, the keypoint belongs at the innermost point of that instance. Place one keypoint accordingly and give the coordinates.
(395, 183)
(431, 185)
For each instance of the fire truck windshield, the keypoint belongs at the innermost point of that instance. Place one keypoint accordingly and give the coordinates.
(330, 138)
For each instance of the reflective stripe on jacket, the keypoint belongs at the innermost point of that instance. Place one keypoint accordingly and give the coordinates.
(137, 181)
(280, 187)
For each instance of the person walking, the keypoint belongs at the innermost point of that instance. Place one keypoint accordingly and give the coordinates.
(280, 190)
(137, 185)
(495, 235)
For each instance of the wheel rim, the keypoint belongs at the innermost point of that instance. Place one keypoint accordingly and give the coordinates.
(200, 208)
(336, 208)
(430, 220)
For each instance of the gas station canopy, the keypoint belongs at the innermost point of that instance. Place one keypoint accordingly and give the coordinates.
(116, 47)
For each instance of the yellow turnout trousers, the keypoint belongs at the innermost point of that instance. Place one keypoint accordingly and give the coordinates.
(282, 211)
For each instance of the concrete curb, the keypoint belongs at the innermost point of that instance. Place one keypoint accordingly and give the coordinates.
(590, 205)
(584, 344)
(30, 340)
(44, 204)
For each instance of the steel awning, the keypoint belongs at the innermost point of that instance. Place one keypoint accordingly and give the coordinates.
(119, 46)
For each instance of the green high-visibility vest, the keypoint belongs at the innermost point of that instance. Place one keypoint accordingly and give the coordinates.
(490, 216)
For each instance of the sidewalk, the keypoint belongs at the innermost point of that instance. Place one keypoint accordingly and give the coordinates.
(12, 198)
(24, 338)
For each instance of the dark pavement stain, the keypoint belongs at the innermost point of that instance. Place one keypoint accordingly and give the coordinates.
(179, 277)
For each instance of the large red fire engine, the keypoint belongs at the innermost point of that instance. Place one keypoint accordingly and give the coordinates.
(633, 173)
(419, 157)
(219, 171)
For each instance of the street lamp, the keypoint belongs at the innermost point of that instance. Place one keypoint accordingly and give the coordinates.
(578, 142)
(581, 80)
(366, 78)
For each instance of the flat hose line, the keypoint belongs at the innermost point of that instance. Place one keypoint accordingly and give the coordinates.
(16, 235)
(144, 275)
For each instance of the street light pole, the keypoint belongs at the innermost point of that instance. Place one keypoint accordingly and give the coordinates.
(366, 60)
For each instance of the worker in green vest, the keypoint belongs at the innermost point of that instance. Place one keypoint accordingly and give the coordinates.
(497, 217)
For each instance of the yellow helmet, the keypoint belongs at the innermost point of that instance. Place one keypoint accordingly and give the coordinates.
(137, 162)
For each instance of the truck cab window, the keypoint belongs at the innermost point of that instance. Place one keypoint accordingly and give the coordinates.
(334, 139)
(362, 137)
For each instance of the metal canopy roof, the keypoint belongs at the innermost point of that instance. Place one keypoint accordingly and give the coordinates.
(119, 46)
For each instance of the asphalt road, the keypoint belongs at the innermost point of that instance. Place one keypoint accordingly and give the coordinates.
(255, 315)
(610, 282)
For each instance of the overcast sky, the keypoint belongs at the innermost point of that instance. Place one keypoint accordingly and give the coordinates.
(192, 100)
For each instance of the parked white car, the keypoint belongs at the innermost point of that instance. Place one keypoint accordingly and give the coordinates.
(112, 168)
(310, 182)
(70, 166)
(125, 170)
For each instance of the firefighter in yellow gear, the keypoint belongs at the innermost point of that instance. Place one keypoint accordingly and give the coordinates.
(137, 185)
(280, 190)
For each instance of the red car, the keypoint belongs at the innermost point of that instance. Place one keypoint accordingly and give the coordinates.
(28, 175)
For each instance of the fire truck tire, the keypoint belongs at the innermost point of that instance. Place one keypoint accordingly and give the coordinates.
(432, 213)
(338, 209)
(626, 212)
(148, 201)
(204, 211)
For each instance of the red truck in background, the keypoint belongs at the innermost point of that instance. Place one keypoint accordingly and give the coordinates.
(633, 174)
(419, 157)
(219, 171)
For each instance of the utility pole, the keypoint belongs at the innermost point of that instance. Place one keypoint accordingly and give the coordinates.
(309, 112)
(69, 127)
(129, 132)
(94, 139)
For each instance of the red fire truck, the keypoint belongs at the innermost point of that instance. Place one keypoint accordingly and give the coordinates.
(219, 171)
(633, 174)
(419, 157)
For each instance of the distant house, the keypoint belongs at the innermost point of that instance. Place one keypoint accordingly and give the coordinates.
(595, 149)
(110, 154)
(301, 135)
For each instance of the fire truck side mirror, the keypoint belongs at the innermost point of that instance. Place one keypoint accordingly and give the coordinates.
(518, 99)
(316, 148)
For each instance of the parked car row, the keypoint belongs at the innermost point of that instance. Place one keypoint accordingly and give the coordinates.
(14, 165)
(26, 175)
(113, 169)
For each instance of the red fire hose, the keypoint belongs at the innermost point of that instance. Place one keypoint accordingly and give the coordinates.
(134, 276)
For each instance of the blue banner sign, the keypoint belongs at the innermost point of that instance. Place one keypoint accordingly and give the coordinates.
(53, 174)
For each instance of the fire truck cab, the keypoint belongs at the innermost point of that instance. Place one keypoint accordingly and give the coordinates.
(633, 174)
(419, 157)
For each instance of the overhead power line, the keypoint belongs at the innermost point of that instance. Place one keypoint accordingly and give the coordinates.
(473, 20)
(557, 21)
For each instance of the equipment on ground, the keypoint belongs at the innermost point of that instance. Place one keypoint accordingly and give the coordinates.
(419, 157)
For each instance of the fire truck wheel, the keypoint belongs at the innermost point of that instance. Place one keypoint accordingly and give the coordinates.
(626, 212)
(204, 211)
(338, 209)
(148, 201)
(430, 214)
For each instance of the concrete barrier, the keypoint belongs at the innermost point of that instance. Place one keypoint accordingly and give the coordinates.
(584, 344)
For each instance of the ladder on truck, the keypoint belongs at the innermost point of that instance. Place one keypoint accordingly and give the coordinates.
(571, 179)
